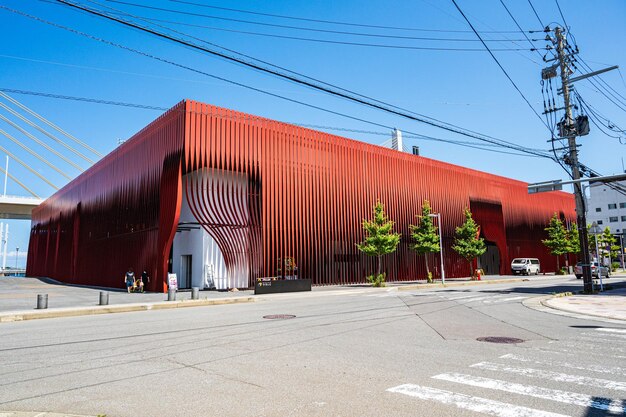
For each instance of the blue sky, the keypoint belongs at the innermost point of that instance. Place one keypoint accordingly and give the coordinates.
(465, 88)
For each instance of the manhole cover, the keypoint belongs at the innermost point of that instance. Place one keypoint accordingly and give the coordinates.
(495, 339)
(279, 316)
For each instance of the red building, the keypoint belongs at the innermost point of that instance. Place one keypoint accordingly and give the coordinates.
(219, 196)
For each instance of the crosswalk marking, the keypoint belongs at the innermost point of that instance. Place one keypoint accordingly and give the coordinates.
(478, 404)
(504, 300)
(460, 297)
(605, 344)
(593, 368)
(554, 376)
(532, 391)
(579, 349)
(487, 299)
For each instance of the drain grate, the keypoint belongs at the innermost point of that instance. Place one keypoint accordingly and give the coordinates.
(495, 339)
(279, 316)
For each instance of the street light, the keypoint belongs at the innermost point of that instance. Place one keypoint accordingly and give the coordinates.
(595, 229)
(443, 272)
(17, 252)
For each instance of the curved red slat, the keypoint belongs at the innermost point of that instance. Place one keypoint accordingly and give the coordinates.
(264, 190)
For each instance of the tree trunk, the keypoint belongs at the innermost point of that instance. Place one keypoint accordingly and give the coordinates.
(379, 266)
(471, 268)
(426, 262)
(558, 265)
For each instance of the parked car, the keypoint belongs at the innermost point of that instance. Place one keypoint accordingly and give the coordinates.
(605, 271)
(525, 266)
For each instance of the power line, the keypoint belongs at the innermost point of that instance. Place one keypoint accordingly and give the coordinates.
(536, 14)
(475, 145)
(422, 119)
(286, 69)
(499, 65)
(335, 32)
(85, 99)
(331, 21)
(52, 125)
(335, 42)
(518, 25)
(561, 13)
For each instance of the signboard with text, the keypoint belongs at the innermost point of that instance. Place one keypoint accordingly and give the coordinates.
(172, 282)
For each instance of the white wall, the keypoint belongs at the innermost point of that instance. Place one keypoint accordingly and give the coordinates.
(600, 197)
(208, 266)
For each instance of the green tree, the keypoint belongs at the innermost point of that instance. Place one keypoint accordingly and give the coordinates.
(467, 242)
(573, 239)
(608, 244)
(557, 239)
(591, 240)
(425, 236)
(379, 240)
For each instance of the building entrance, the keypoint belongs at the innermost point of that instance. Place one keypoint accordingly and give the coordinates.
(490, 260)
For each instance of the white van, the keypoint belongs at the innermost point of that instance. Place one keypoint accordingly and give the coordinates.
(525, 266)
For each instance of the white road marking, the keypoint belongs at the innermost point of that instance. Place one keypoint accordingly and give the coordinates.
(454, 298)
(471, 300)
(604, 329)
(551, 375)
(532, 391)
(593, 368)
(467, 402)
(503, 300)
(609, 335)
(568, 352)
(606, 344)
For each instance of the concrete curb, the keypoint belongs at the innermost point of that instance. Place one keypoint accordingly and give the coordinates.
(119, 308)
(462, 283)
(546, 303)
(540, 304)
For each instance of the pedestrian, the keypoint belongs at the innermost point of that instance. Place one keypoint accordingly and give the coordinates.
(129, 278)
(144, 280)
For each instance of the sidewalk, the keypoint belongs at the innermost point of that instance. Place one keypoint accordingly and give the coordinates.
(609, 304)
(18, 297)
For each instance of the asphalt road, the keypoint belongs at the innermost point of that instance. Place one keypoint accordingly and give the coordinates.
(348, 353)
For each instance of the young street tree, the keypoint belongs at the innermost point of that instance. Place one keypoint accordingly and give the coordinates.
(467, 242)
(379, 240)
(425, 236)
(608, 244)
(573, 240)
(557, 239)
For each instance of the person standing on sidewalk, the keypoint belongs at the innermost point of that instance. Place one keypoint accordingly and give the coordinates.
(144, 280)
(129, 279)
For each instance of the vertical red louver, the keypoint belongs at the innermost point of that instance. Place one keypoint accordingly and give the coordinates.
(264, 191)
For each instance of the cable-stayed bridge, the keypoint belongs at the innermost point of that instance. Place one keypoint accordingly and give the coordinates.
(43, 158)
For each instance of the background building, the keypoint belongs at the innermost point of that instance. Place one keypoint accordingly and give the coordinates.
(607, 206)
(221, 197)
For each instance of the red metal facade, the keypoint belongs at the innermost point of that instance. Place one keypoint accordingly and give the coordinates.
(304, 195)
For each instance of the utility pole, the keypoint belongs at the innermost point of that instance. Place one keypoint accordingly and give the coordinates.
(569, 127)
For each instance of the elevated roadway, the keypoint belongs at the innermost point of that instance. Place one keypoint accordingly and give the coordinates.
(19, 208)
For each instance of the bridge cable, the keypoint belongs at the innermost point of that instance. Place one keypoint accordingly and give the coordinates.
(33, 153)
(19, 182)
(52, 125)
(50, 135)
(43, 144)
(25, 165)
